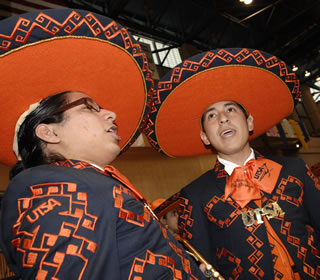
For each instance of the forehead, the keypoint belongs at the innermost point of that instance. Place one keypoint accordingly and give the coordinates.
(220, 105)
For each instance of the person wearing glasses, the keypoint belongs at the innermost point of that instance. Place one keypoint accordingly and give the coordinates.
(67, 212)
(250, 216)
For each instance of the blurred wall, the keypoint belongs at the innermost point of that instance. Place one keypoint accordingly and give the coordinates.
(157, 175)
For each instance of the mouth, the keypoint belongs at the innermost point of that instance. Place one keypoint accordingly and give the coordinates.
(227, 133)
(113, 130)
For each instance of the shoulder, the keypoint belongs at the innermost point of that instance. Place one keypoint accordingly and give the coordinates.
(206, 179)
(287, 161)
(293, 167)
(42, 173)
(51, 176)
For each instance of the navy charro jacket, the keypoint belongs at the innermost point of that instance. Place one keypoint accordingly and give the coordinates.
(75, 222)
(217, 230)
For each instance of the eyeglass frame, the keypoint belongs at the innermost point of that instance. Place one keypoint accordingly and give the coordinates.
(83, 100)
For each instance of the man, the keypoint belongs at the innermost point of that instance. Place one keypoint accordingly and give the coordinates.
(168, 217)
(252, 217)
(67, 213)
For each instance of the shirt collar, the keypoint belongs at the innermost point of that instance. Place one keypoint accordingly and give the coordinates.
(229, 165)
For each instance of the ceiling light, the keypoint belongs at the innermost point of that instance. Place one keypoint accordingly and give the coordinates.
(247, 2)
(307, 73)
(294, 68)
(318, 79)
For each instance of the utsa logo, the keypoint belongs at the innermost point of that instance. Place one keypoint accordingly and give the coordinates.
(262, 172)
(270, 211)
(43, 209)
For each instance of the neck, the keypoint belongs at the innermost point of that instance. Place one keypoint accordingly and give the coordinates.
(237, 158)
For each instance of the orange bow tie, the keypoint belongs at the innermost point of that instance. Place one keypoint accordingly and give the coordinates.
(246, 181)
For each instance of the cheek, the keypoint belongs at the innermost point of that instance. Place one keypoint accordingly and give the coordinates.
(89, 128)
(211, 128)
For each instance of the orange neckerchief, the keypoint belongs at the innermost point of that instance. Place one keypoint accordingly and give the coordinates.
(283, 262)
(246, 181)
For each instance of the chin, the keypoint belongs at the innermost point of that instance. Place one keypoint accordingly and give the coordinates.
(116, 150)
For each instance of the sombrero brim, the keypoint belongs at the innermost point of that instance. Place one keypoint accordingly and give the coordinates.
(167, 206)
(260, 82)
(71, 50)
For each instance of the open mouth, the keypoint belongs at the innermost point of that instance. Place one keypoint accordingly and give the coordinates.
(228, 132)
(113, 130)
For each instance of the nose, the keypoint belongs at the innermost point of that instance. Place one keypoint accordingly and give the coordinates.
(223, 118)
(108, 115)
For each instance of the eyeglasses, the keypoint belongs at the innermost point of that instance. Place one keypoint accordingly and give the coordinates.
(92, 105)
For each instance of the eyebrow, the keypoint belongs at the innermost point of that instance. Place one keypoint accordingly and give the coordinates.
(214, 108)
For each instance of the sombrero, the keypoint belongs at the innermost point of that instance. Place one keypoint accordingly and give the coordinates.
(156, 203)
(259, 81)
(161, 206)
(50, 51)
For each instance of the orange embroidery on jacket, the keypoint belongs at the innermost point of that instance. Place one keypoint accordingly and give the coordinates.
(139, 266)
(37, 245)
(210, 210)
(256, 243)
(126, 214)
(313, 178)
(224, 253)
(185, 262)
(186, 220)
(313, 272)
(286, 184)
(43, 209)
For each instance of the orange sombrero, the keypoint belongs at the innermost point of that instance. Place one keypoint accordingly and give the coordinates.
(50, 51)
(259, 81)
(161, 206)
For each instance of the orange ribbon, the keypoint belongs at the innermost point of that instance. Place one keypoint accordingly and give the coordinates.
(115, 173)
(246, 181)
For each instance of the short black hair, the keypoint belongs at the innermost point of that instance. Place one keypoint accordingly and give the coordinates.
(30, 146)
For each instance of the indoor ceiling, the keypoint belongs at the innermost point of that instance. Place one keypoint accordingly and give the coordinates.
(287, 28)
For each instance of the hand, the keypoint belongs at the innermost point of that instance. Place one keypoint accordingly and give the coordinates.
(202, 267)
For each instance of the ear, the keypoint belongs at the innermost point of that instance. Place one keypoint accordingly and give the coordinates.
(250, 123)
(204, 138)
(46, 133)
(163, 220)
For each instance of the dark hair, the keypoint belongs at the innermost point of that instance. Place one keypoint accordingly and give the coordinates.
(236, 103)
(30, 146)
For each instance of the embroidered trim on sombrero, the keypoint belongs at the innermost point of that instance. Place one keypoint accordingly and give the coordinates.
(224, 74)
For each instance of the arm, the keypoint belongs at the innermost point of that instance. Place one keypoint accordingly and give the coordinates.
(193, 224)
(56, 222)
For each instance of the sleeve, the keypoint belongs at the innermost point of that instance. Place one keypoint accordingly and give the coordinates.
(193, 224)
(146, 250)
(311, 196)
(60, 229)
